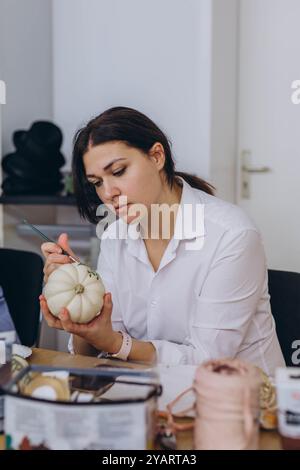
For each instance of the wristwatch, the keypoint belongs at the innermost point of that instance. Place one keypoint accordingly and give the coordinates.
(125, 349)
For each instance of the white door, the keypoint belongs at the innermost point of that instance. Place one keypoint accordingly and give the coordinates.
(269, 125)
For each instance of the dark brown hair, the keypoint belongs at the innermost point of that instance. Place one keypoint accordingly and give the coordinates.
(136, 130)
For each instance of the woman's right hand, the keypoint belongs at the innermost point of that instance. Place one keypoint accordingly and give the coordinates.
(52, 253)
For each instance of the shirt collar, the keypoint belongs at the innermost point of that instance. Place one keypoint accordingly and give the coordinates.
(190, 217)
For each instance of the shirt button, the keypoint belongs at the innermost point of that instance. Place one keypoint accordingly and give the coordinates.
(153, 303)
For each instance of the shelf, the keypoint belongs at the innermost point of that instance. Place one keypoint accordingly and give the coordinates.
(39, 200)
(74, 231)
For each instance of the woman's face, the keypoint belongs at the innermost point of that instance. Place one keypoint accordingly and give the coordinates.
(124, 175)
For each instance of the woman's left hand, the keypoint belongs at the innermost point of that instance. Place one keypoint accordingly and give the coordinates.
(98, 332)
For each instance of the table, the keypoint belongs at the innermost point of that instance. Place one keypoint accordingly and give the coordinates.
(269, 440)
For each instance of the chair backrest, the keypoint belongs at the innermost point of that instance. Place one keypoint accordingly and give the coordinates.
(284, 290)
(21, 277)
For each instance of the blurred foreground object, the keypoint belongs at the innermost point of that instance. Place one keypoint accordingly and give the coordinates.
(227, 405)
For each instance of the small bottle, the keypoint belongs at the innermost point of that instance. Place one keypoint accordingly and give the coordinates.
(288, 401)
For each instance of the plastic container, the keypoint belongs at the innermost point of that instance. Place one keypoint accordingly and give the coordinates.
(121, 416)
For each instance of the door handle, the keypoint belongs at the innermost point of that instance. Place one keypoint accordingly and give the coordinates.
(247, 170)
(262, 169)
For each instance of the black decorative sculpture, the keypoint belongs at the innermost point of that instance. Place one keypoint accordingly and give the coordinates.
(34, 167)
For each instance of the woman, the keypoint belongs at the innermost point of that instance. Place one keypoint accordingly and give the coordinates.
(194, 294)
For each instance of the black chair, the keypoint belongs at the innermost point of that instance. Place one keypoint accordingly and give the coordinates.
(284, 290)
(21, 278)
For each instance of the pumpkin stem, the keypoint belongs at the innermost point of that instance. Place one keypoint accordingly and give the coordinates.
(79, 289)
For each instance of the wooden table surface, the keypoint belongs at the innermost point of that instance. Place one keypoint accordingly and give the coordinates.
(269, 440)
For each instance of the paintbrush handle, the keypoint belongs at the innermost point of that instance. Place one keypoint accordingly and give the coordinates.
(41, 234)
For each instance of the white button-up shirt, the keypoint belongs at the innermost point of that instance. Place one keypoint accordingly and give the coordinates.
(202, 303)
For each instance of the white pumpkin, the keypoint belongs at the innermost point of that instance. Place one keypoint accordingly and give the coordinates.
(76, 287)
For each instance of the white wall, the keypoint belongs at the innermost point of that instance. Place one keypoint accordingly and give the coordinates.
(26, 68)
(25, 64)
(151, 55)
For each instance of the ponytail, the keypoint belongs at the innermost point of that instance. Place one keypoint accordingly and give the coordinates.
(196, 182)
